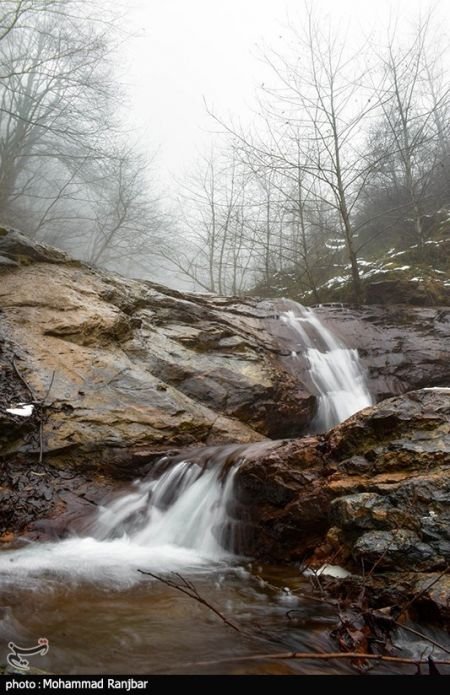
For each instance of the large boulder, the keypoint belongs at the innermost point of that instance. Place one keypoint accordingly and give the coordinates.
(117, 364)
(373, 492)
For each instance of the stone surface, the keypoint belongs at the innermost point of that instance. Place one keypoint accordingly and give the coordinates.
(428, 292)
(120, 371)
(123, 364)
(374, 491)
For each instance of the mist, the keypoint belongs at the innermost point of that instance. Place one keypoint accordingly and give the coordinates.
(255, 147)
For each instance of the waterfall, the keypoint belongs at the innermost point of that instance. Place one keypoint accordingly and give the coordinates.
(185, 507)
(181, 516)
(335, 370)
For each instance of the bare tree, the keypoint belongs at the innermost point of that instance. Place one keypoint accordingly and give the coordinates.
(128, 223)
(350, 147)
(408, 144)
(409, 121)
(214, 222)
(55, 102)
(65, 174)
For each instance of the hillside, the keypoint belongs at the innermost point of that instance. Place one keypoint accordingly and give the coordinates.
(398, 276)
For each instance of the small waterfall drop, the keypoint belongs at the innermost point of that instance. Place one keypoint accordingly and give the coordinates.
(186, 506)
(183, 515)
(335, 370)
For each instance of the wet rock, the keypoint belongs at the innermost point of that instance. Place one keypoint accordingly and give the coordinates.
(415, 292)
(17, 249)
(128, 364)
(375, 489)
(433, 597)
(121, 371)
(394, 549)
(368, 510)
(7, 537)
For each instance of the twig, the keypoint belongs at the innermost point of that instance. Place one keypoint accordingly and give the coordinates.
(49, 388)
(382, 556)
(425, 637)
(38, 402)
(301, 594)
(321, 656)
(41, 441)
(41, 419)
(189, 589)
(23, 380)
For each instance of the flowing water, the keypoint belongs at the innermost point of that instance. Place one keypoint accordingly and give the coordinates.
(89, 596)
(88, 593)
(334, 369)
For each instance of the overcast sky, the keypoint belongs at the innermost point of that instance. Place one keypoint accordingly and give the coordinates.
(187, 51)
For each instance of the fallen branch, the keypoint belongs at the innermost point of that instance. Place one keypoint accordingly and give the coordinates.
(189, 589)
(322, 656)
(49, 388)
(38, 403)
(422, 636)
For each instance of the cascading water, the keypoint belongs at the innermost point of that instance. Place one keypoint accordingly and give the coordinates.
(180, 517)
(184, 515)
(335, 370)
(185, 507)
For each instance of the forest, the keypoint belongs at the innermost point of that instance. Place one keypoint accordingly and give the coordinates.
(345, 163)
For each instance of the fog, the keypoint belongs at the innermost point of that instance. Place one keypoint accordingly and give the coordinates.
(257, 146)
(184, 52)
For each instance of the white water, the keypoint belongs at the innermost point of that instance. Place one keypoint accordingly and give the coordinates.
(185, 507)
(178, 520)
(334, 369)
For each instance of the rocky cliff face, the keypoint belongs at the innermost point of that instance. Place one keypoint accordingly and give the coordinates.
(372, 495)
(114, 364)
(374, 489)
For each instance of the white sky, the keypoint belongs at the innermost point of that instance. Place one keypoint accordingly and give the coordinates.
(185, 51)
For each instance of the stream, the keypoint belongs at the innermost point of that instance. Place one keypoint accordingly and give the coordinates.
(86, 593)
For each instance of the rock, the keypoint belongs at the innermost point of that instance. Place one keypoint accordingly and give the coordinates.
(120, 371)
(372, 495)
(128, 364)
(368, 510)
(429, 292)
(395, 549)
(7, 537)
(4, 260)
(117, 367)
(16, 249)
(433, 596)
(375, 489)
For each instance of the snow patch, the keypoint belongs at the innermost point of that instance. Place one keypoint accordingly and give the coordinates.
(23, 409)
